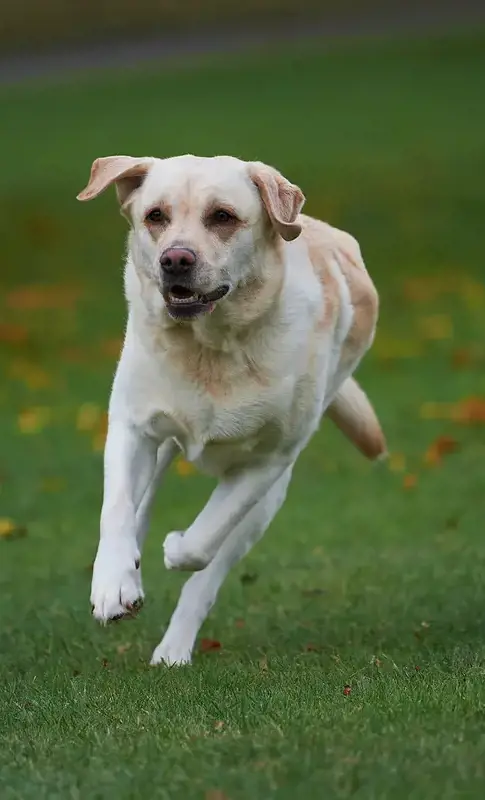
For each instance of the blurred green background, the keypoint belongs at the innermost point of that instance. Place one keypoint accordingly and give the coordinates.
(370, 577)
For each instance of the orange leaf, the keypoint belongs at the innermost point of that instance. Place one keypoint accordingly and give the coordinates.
(13, 334)
(209, 644)
(409, 481)
(470, 411)
(36, 297)
(184, 468)
(112, 347)
(461, 358)
(442, 446)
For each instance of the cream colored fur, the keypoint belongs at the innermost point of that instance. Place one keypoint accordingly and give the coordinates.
(241, 387)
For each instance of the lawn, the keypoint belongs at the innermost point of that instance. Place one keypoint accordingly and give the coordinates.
(371, 577)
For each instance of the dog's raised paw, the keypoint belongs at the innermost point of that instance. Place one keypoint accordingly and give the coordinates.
(178, 556)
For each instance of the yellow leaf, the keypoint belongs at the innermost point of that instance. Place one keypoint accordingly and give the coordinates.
(436, 327)
(31, 374)
(33, 420)
(397, 462)
(6, 527)
(388, 349)
(10, 530)
(88, 417)
(432, 410)
(52, 484)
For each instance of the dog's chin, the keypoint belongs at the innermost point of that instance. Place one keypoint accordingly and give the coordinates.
(185, 304)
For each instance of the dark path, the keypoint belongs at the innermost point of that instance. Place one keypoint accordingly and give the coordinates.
(59, 65)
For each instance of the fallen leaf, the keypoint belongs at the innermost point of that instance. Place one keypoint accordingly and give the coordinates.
(37, 297)
(347, 690)
(417, 668)
(427, 288)
(432, 410)
(41, 230)
(99, 438)
(112, 347)
(206, 645)
(470, 411)
(397, 462)
(442, 446)
(31, 374)
(76, 355)
(461, 358)
(409, 481)
(13, 334)
(88, 416)
(388, 349)
(33, 420)
(184, 468)
(436, 327)
(52, 484)
(11, 530)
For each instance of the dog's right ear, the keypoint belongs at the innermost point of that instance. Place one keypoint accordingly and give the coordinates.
(126, 172)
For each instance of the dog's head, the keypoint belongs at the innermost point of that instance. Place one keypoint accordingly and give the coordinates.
(198, 223)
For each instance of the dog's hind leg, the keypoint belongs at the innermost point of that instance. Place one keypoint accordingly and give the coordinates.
(200, 591)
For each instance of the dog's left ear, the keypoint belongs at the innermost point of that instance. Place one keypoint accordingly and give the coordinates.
(126, 172)
(282, 200)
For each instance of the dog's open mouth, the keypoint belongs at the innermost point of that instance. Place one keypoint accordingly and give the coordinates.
(185, 303)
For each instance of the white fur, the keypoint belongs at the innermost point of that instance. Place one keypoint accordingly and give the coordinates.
(249, 435)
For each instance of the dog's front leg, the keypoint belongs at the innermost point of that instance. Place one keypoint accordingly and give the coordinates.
(129, 466)
(232, 499)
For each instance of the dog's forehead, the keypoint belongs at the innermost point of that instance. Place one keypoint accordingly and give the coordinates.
(195, 178)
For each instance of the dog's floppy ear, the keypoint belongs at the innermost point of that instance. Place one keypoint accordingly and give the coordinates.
(126, 172)
(282, 200)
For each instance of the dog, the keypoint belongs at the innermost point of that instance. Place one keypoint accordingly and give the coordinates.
(246, 321)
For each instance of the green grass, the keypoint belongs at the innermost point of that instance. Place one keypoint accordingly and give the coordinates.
(359, 581)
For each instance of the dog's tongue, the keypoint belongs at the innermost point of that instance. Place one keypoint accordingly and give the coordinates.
(211, 308)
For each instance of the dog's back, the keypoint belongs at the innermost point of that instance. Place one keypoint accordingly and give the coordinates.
(337, 261)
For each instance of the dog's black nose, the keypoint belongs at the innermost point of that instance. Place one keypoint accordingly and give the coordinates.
(177, 260)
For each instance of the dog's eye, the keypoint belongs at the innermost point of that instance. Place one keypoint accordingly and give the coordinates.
(156, 215)
(220, 215)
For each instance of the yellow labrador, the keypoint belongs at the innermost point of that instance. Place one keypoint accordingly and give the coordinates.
(246, 321)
